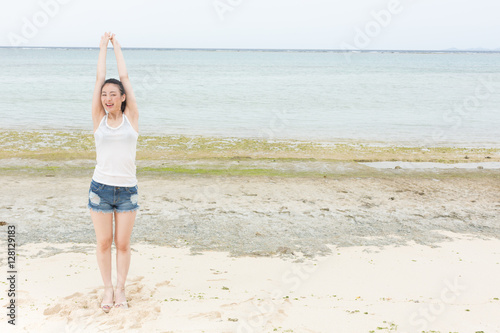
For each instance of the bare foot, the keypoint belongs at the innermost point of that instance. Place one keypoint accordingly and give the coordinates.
(107, 299)
(120, 298)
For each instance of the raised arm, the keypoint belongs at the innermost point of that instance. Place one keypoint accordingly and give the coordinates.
(97, 108)
(131, 110)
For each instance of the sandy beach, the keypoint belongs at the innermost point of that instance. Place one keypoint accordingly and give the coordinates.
(414, 288)
(236, 241)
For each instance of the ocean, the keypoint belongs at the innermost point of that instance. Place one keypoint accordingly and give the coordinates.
(406, 98)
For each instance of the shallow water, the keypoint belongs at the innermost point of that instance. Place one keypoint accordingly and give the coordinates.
(413, 98)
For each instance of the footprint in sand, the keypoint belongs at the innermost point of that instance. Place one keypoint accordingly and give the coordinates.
(164, 283)
(207, 315)
(252, 308)
(82, 310)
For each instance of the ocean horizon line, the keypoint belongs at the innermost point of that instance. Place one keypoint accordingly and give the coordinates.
(263, 50)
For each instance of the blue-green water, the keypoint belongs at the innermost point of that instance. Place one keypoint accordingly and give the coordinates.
(407, 98)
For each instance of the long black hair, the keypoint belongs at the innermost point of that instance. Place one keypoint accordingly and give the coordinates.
(122, 90)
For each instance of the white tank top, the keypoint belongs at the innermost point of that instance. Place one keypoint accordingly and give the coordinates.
(115, 153)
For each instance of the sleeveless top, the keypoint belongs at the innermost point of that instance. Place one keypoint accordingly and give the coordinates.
(115, 153)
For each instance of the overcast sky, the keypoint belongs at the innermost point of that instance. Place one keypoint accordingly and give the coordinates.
(263, 24)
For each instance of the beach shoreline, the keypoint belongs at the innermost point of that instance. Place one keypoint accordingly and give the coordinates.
(72, 145)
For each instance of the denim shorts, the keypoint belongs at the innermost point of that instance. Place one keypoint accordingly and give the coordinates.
(107, 199)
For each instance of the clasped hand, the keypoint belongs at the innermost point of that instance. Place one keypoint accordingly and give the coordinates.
(108, 37)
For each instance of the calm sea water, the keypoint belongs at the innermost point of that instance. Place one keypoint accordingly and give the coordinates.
(406, 98)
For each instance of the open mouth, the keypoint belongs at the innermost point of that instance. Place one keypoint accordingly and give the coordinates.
(109, 105)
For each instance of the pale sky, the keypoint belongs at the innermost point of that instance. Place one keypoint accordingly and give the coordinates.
(255, 24)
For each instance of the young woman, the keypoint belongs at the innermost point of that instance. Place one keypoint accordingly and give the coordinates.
(113, 189)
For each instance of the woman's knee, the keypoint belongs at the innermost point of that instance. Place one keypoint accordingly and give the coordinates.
(122, 245)
(104, 244)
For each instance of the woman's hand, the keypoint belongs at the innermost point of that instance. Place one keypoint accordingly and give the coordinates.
(114, 42)
(105, 40)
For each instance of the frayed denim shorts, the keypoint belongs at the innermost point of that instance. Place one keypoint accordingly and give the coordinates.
(108, 199)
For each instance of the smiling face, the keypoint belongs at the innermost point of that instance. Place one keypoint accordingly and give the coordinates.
(111, 98)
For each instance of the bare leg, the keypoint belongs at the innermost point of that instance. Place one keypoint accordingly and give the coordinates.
(124, 222)
(103, 226)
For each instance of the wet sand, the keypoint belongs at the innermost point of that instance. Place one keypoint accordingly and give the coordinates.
(263, 215)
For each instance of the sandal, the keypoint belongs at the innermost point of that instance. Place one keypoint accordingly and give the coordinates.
(122, 305)
(106, 307)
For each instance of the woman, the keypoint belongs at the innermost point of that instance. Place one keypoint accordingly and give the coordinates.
(113, 189)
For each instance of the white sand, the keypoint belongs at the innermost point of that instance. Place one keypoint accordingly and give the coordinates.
(451, 288)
